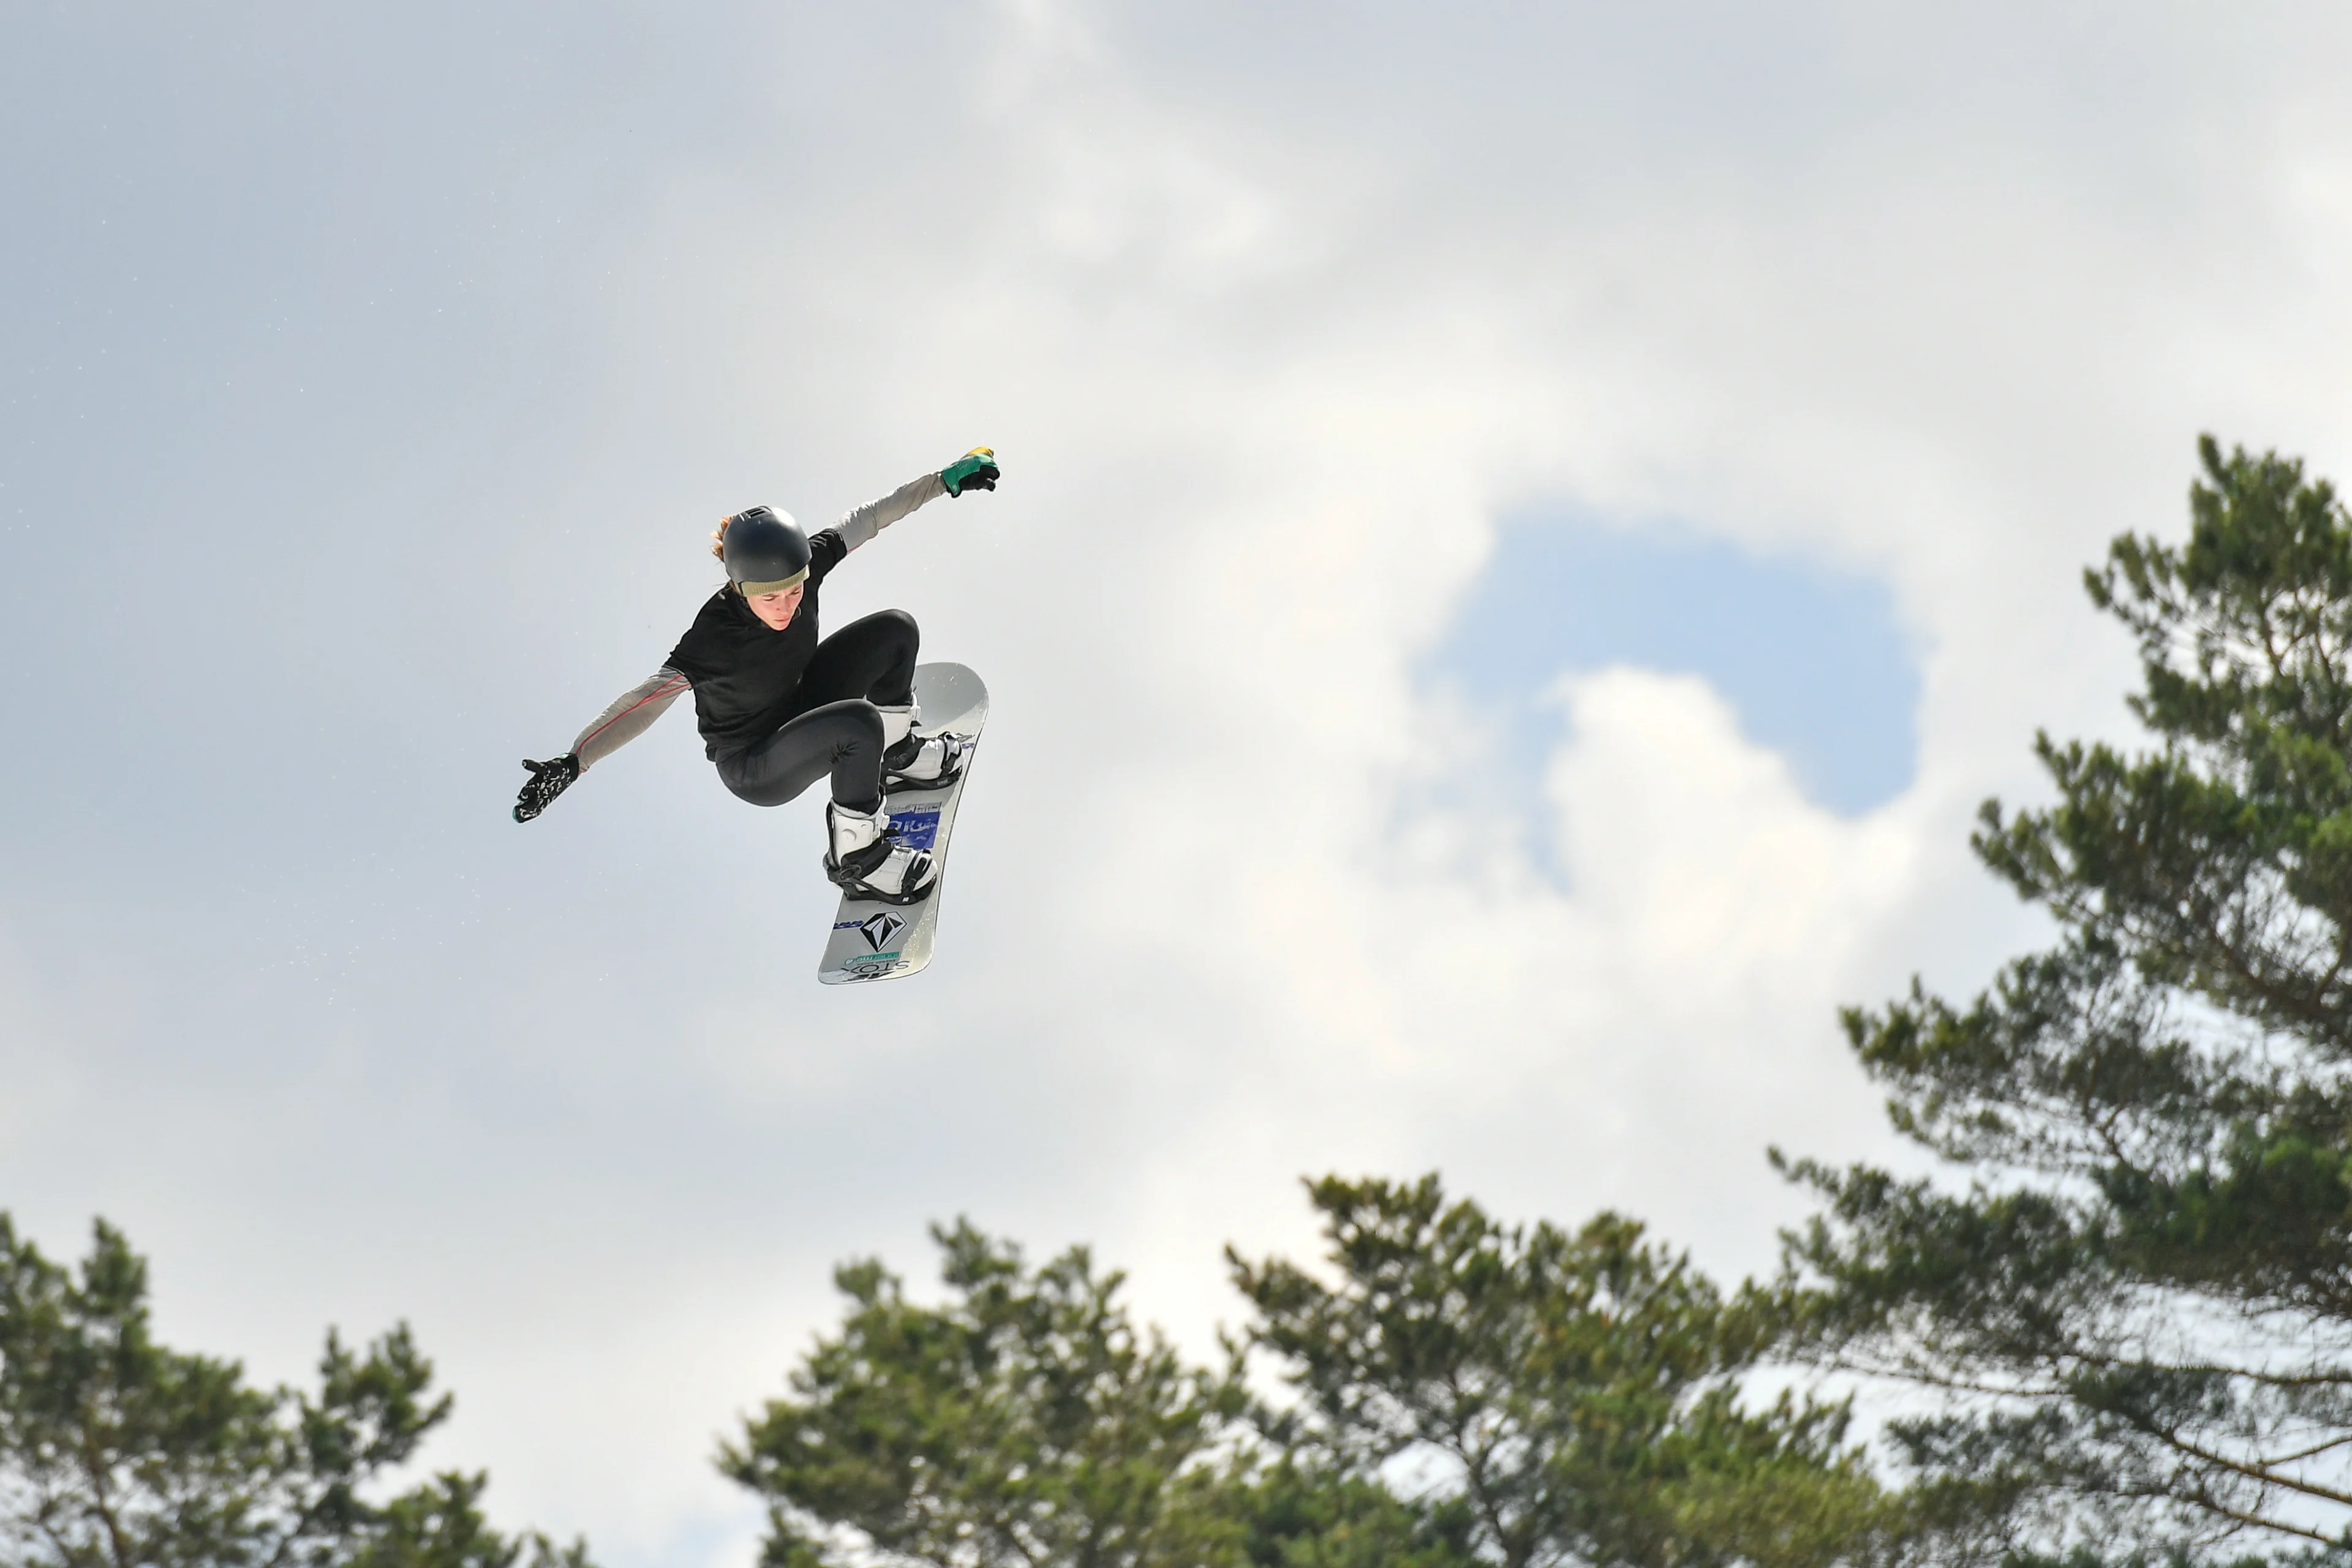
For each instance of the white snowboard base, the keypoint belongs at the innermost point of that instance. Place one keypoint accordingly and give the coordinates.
(872, 941)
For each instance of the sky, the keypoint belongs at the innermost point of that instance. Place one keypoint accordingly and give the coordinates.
(1527, 533)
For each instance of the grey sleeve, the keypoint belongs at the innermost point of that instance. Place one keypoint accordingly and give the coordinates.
(862, 523)
(631, 715)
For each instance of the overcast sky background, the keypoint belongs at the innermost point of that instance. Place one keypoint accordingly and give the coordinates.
(1526, 531)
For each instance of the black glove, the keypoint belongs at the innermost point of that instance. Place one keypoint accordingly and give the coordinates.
(548, 779)
(975, 470)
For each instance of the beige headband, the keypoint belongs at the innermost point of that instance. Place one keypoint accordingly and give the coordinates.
(754, 590)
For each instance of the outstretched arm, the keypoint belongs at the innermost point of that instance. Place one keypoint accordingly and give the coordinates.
(976, 471)
(629, 716)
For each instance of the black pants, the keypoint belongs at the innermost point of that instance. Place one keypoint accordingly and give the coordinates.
(835, 727)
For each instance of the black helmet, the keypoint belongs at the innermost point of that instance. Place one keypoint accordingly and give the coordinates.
(765, 550)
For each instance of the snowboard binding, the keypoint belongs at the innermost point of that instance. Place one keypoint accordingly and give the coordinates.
(865, 862)
(924, 762)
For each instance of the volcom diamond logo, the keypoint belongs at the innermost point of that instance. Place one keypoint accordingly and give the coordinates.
(881, 931)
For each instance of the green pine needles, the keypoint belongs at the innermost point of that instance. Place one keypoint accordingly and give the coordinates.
(1564, 1396)
(118, 1452)
(2138, 1316)
(1465, 1392)
(1026, 1421)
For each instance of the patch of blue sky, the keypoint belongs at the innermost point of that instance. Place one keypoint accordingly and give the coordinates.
(1813, 659)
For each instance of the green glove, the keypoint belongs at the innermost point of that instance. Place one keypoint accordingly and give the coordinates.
(975, 470)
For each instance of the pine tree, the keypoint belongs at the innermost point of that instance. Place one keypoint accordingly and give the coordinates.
(1573, 1397)
(118, 1452)
(2137, 1312)
(1551, 1398)
(1028, 1420)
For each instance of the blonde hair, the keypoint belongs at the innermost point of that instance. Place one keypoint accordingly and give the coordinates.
(719, 536)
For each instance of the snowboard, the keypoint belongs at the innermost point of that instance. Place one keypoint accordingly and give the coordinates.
(873, 940)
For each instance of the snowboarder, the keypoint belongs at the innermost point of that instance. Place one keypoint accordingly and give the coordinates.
(780, 710)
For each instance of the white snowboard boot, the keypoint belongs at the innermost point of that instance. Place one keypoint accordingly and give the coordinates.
(912, 761)
(863, 860)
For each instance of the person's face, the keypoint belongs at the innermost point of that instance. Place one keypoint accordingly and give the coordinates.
(776, 610)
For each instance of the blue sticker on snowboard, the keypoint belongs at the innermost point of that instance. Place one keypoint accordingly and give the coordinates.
(916, 830)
